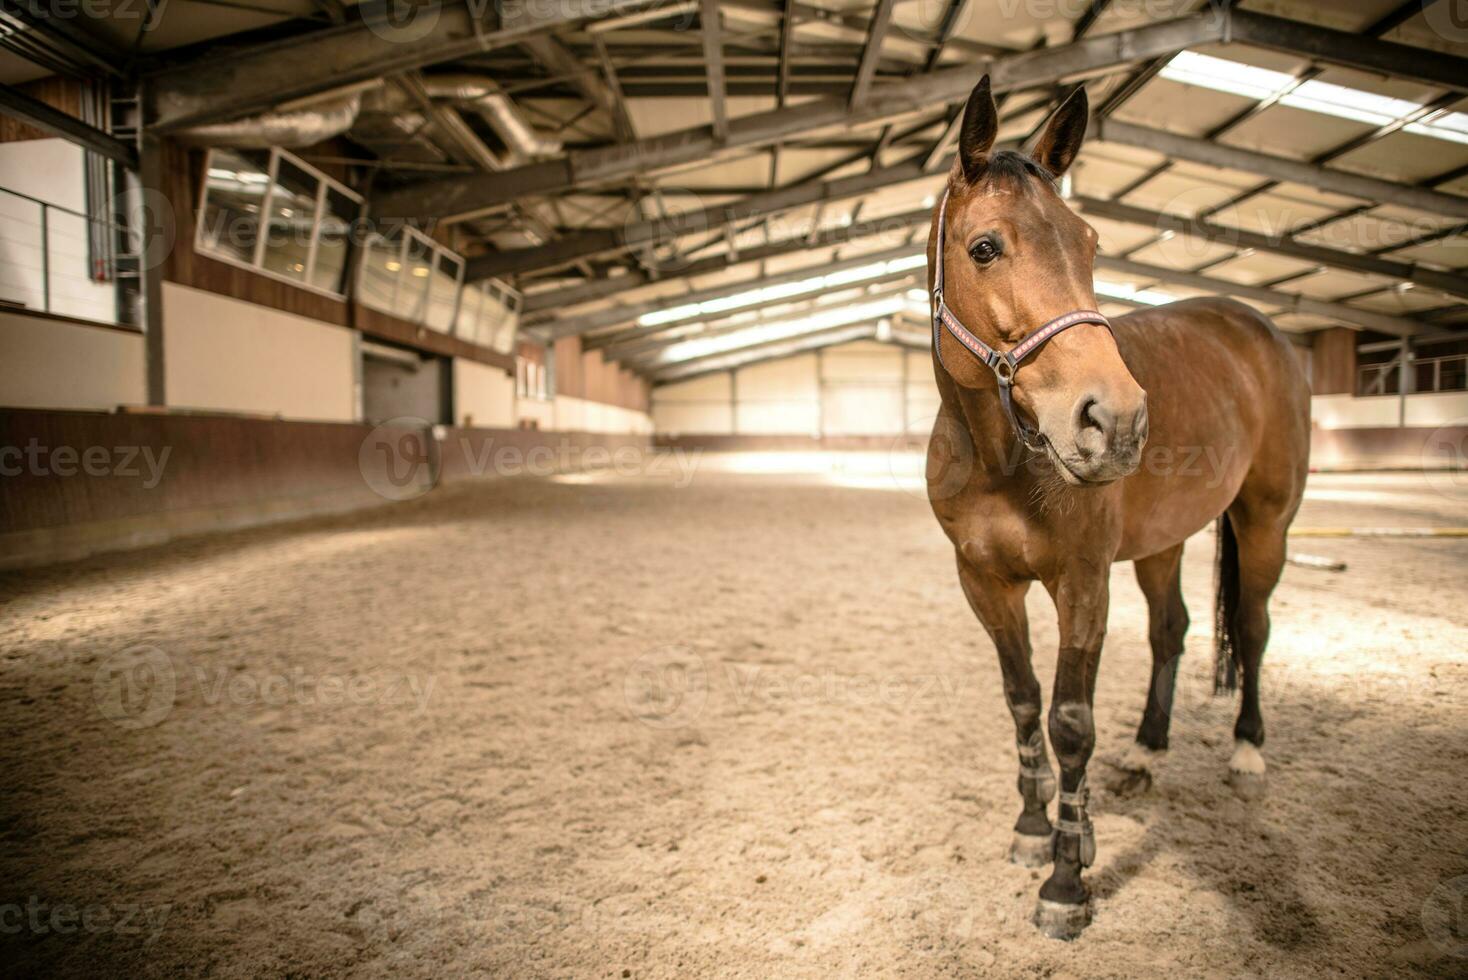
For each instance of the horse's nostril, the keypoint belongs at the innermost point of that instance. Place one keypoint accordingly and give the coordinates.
(1089, 415)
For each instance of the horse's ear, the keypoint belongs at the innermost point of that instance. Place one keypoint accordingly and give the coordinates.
(980, 127)
(1061, 141)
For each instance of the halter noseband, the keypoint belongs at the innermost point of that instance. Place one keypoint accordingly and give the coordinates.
(1003, 363)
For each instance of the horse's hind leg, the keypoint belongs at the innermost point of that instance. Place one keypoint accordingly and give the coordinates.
(1160, 577)
(1000, 607)
(1260, 527)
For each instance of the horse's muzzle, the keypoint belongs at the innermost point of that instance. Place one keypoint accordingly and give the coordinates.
(1109, 432)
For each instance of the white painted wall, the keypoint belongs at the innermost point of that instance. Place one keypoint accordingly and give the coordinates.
(226, 355)
(778, 397)
(484, 396)
(46, 363)
(702, 405)
(51, 170)
(566, 414)
(857, 388)
(1430, 409)
(580, 415)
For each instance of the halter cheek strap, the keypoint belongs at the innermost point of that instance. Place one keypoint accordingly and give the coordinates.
(1003, 363)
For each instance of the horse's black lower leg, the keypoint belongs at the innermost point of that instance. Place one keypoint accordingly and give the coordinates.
(1261, 559)
(1160, 578)
(1063, 909)
(1000, 607)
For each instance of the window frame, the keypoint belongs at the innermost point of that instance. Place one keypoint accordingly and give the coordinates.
(257, 257)
(436, 251)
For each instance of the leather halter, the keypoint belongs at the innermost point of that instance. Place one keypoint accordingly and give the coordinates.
(1003, 363)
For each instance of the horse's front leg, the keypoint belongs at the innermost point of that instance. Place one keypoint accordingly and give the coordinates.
(1082, 597)
(1000, 606)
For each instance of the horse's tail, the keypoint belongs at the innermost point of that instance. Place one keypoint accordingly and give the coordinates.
(1225, 609)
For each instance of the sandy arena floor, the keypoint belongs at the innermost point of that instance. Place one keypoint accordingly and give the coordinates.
(609, 727)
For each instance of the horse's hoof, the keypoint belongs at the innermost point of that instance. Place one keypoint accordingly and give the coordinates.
(1246, 771)
(1032, 850)
(1247, 785)
(1060, 921)
(1129, 782)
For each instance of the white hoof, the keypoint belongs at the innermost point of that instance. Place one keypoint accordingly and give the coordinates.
(1247, 759)
(1246, 771)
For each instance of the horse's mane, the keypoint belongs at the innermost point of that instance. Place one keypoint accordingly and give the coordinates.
(1013, 169)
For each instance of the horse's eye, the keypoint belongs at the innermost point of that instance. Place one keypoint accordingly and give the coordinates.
(984, 251)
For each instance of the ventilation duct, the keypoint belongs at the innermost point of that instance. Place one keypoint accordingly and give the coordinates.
(304, 126)
(483, 96)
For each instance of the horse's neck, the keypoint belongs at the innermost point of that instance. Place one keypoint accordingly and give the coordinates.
(996, 449)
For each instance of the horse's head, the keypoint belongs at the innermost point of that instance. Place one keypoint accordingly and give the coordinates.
(1015, 257)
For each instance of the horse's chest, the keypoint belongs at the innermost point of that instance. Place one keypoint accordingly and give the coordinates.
(993, 534)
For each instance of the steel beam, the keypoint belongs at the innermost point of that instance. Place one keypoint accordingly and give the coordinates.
(215, 88)
(1279, 168)
(1395, 325)
(866, 71)
(545, 305)
(1349, 49)
(58, 42)
(35, 113)
(713, 59)
(640, 349)
(559, 60)
(455, 198)
(1241, 238)
(607, 241)
(772, 350)
(630, 312)
(620, 342)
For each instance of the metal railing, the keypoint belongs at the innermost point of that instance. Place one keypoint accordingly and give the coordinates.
(1429, 374)
(49, 261)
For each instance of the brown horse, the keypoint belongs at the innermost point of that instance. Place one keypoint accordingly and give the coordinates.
(1063, 449)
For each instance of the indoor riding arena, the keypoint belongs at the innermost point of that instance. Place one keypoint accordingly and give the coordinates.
(734, 488)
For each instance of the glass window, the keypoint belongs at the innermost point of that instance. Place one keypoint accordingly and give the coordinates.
(291, 223)
(234, 194)
(500, 317)
(307, 217)
(1453, 374)
(466, 324)
(443, 292)
(339, 215)
(382, 266)
(413, 292)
